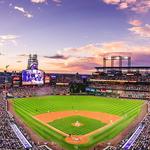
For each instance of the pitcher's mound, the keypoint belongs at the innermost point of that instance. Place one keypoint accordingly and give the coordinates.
(77, 124)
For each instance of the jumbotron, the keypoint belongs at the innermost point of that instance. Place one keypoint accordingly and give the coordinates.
(108, 109)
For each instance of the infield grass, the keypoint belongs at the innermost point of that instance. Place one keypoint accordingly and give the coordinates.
(25, 108)
(87, 125)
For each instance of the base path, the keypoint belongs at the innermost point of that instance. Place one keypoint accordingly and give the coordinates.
(103, 117)
(106, 118)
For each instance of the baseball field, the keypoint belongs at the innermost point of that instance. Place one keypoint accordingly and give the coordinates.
(76, 122)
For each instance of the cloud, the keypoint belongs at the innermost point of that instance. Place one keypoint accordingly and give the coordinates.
(82, 64)
(118, 46)
(57, 56)
(38, 1)
(23, 55)
(123, 5)
(142, 31)
(138, 6)
(84, 59)
(111, 1)
(18, 61)
(90, 50)
(141, 6)
(22, 10)
(58, 2)
(8, 38)
(72, 64)
(80, 59)
(135, 22)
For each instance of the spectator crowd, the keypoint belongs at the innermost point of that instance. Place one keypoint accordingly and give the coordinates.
(143, 140)
(123, 90)
(8, 139)
(29, 91)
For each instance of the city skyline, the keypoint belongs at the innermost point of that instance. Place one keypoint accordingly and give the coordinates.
(73, 35)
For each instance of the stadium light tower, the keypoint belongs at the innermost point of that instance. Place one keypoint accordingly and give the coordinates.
(6, 80)
(112, 59)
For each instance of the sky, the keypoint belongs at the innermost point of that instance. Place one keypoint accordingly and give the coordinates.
(72, 36)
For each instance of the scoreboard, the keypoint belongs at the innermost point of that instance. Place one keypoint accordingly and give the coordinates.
(16, 81)
(47, 78)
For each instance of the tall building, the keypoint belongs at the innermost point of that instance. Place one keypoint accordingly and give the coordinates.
(32, 62)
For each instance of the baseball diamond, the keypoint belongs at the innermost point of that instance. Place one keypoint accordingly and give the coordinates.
(76, 120)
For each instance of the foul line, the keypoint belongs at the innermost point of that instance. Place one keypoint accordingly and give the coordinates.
(51, 127)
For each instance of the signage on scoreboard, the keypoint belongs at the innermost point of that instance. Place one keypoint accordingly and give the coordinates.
(47, 79)
(16, 81)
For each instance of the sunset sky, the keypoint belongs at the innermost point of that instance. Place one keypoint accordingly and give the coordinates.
(73, 35)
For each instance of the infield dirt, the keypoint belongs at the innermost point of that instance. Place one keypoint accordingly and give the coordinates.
(109, 119)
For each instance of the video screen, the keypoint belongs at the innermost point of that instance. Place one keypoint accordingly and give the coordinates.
(32, 77)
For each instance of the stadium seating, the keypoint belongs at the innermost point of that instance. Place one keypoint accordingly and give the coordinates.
(8, 139)
(142, 142)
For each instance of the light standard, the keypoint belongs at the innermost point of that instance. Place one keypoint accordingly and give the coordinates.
(6, 79)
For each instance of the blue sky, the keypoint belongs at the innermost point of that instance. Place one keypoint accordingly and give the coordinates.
(68, 34)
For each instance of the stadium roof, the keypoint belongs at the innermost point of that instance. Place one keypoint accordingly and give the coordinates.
(124, 68)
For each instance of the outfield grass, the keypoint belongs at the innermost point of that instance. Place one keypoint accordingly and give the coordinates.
(28, 107)
(88, 125)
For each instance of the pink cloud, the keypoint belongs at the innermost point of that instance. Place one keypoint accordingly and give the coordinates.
(143, 31)
(138, 6)
(123, 5)
(86, 63)
(84, 59)
(135, 22)
(111, 1)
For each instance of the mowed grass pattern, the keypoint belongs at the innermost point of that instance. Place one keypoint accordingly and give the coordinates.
(28, 107)
(88, 125)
